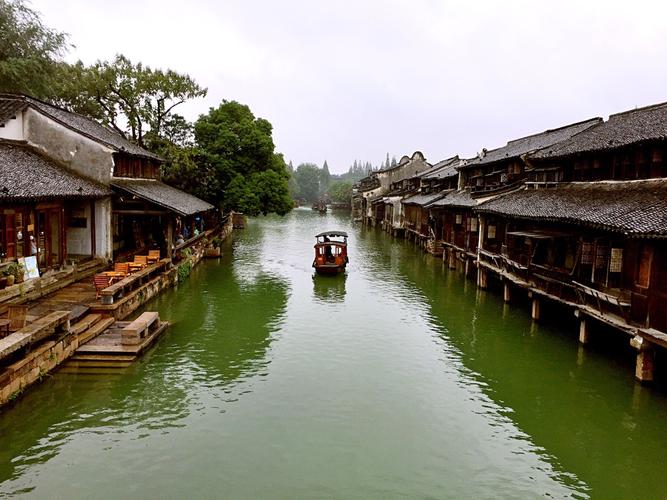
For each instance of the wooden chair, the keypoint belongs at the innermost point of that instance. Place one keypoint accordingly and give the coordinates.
(17, 317)
(122, 268)
(140, 261)
(153, 256)
(101, 281)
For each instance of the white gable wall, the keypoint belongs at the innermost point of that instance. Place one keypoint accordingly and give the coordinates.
(74, 151)
(13, 129)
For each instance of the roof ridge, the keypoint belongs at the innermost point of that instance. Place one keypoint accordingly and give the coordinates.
(640, 109)
(550, 130)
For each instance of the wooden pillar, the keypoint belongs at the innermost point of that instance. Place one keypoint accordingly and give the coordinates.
(535, 309)
(481, 229)
(645, 359)
(507, 292)
(93, 248)
(466, 271)
(583, 330)
(482, 278)
(170, 237)
(452, 258)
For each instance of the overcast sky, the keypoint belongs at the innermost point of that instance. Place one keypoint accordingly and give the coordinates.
(345, 80)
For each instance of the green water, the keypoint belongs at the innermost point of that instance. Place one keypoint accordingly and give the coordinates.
(398, 380)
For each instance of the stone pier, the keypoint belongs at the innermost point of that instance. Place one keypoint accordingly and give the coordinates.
(645, 359)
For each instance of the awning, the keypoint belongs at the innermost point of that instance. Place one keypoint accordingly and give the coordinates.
(163, 195)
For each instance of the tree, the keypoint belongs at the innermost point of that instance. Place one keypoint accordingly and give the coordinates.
(308, 179)
(325, 177)
(134, 100)
(239, 169)
(341, 192)
(30, 52)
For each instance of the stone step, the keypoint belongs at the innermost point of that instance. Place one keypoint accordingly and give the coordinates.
(101, 359)
(85, 323)
(92, 332)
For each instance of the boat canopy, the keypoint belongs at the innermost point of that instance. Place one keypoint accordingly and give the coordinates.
(333, 234)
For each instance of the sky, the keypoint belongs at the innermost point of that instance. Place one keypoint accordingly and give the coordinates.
(346, 80)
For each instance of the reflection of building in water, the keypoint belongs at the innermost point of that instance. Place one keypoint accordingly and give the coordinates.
(329, 288)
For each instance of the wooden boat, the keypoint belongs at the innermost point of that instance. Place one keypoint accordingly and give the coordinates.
(330, 252)
(320, 206)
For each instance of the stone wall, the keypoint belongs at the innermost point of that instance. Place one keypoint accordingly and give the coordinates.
(35, 365)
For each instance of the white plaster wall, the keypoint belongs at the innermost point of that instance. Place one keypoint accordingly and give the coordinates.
(103, 231)
(76, 152)
(78, 238)
(13, 129)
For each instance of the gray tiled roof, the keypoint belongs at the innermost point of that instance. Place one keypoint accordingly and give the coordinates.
(622, 129)
(631, 207)
(81, 124)
(9, 109)
(519, 147)
(462, 199)
(443, 169)
(163, 195)
(27, 175)
(422, 199)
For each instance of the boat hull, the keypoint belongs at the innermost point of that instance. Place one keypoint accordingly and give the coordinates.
(329, 269)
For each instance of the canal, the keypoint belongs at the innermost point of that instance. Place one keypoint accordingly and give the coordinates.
(397, 380)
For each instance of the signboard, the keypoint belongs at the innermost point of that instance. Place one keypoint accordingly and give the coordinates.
(30, 266)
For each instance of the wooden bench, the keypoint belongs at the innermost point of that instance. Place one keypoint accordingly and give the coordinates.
(140, 328)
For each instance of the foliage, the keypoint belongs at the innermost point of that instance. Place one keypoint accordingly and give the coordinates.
(325, 178)
(341, 191)
(12, 269)
(133, 99)
(307, 177)
(184, 270)
(29, 51)
(216, 242)
(234, 164)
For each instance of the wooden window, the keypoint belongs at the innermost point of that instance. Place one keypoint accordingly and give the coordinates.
(645, 256)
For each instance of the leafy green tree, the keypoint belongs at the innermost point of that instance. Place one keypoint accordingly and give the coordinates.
(341, 192)
(30, 52)
(133, 99)
(239, 169)
(308, 179)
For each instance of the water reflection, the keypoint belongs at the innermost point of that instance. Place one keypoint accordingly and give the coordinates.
(329, 289)
(579, 405)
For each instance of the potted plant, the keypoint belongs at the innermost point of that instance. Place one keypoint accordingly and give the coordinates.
(10, 271)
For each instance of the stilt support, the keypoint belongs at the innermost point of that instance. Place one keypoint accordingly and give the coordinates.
(482, 277)
(583, 330)
(645, 359)
(535, 310)
(507, 293)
